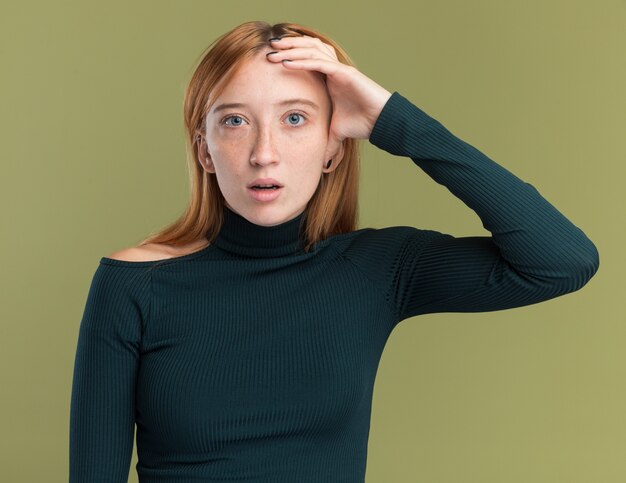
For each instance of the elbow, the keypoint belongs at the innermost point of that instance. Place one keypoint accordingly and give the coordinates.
(591, 262)
(571, 273)
(588, 263)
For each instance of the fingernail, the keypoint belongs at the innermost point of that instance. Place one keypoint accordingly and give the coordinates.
(275, 52)
(275, 39)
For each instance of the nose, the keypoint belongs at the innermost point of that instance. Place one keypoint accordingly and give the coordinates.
(264, 151)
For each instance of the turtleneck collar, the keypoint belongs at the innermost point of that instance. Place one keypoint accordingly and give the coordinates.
(238, 235)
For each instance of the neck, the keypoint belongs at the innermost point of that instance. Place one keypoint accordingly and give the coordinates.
(241, 236)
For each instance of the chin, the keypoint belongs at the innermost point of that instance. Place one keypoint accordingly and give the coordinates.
(270, 216)
(267, 214)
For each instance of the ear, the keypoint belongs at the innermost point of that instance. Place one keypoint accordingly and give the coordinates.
(335, 152)
(204, 157)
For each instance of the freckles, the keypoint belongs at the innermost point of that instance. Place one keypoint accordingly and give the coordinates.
(227, 146)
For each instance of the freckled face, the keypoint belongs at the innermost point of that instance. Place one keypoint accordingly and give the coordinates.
(267, 139)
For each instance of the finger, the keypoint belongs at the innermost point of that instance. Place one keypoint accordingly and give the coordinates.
(297, 53)
(328, 67)
(304, 41)
(296, 41)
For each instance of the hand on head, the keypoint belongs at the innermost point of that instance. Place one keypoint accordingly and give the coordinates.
(357, 100)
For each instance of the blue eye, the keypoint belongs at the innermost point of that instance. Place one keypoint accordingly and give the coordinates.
(296, 114)
(231, 117)
(238, 123)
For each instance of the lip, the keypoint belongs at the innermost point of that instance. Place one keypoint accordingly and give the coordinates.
(264, 195)
(264, 181)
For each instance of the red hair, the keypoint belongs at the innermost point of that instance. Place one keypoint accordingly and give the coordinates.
(333, 207)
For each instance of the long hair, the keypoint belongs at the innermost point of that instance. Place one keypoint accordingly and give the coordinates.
(333, 208)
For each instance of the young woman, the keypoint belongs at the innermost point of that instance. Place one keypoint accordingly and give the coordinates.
(243, 340)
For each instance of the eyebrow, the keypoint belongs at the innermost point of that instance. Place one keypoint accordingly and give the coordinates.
(221, 107)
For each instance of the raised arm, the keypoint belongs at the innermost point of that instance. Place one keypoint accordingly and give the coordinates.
(534, 254)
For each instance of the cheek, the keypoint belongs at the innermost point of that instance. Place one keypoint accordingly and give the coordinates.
(308, 143)
(311, 141)
(225, 153)
(308, 169)
(221, 145)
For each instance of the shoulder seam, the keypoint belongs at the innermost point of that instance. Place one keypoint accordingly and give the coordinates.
(401, 254)
(375, 285)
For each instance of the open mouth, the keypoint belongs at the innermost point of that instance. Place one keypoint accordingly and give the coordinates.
(271, 187)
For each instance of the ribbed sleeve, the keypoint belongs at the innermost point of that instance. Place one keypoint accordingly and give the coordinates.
(102, 414)
(254, 361)
(534, 254)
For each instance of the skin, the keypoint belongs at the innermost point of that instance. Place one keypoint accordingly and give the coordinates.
(269, 141)
(265, 140)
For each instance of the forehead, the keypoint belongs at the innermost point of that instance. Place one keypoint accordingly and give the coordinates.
(261, 82)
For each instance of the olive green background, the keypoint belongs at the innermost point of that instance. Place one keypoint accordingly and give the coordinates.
(93, 159)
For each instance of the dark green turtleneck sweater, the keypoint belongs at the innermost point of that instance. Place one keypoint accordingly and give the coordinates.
(252, 361)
